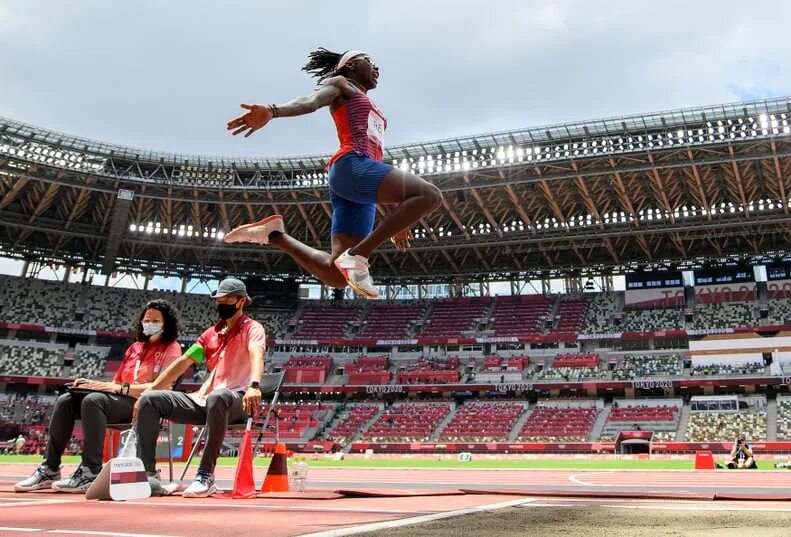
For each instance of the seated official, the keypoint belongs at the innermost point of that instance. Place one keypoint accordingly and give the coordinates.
(233, 351)
(157, 328)
(742, 454)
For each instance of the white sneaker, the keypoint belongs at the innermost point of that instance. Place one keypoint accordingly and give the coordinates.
(78, 482)
(42, 478)
(202, 487)
(355, 269)
(257, 232)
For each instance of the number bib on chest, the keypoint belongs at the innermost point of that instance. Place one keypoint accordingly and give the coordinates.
(376, 127)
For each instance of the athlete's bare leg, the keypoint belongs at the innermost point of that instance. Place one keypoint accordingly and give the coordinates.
(318, 263)
(415, 198)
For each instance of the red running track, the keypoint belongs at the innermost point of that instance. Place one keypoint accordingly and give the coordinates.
(47, 513)
(405, 478)
(682, 479)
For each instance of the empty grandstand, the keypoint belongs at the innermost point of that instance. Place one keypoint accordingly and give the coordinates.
(659, 416)
(562, 422)
(579, 281)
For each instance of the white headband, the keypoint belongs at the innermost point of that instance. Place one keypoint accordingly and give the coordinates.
(347, 57)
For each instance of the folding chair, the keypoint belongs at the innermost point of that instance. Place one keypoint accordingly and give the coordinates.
(271, 384)
(275, 383)
(121, 427)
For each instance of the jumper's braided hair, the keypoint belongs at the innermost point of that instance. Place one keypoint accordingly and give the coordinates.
(321, 62)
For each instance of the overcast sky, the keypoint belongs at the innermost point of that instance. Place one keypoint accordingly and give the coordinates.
(167, 75)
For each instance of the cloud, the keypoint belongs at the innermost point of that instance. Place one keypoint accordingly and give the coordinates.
(758, 80)
(168, 75)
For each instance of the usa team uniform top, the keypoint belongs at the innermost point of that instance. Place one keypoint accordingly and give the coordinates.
(361, 127)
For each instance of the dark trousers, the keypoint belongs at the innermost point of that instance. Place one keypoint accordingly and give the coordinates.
(95, 411)
(222, 407)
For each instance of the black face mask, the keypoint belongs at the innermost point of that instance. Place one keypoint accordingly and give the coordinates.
(226, 311)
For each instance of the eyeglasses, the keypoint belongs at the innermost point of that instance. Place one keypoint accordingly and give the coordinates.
(369, 60)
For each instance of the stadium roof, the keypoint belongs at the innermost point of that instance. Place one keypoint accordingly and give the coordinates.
(670, 188)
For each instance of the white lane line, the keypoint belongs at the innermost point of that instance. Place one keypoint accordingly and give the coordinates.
(414, 520)
(576, 479)
(649, 504)
(26, 502)
(81, 532)
(30, 499)
(108, 533)
(573, 479)
(673, 507)
(202, 505)
(672, 486)
(693, 484)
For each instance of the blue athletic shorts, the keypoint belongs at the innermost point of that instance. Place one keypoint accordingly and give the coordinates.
(354, 181)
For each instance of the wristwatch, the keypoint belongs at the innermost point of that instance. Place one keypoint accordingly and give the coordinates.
(255, 384)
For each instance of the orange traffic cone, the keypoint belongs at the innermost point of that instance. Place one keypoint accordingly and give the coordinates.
(277, 475)
(244, 482)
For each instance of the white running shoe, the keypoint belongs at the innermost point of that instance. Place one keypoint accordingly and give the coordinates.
(355, 269)
(202, 487)
(42, 478)
(78, 482)
(257, 232)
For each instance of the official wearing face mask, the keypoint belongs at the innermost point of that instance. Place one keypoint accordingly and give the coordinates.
(233, 351)
(155, 348)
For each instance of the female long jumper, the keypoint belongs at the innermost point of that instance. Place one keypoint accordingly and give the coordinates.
(358, 179)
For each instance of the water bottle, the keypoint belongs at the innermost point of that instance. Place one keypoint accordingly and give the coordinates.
(300, 475)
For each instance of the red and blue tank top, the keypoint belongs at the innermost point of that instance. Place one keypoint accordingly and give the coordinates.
(361, 127)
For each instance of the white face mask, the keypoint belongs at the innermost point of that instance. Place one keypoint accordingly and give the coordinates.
(150, 329)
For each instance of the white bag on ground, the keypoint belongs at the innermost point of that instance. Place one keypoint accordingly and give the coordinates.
(123, 477)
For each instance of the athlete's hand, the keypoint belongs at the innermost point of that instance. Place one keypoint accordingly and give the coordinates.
(257, 117)
(401, 240)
